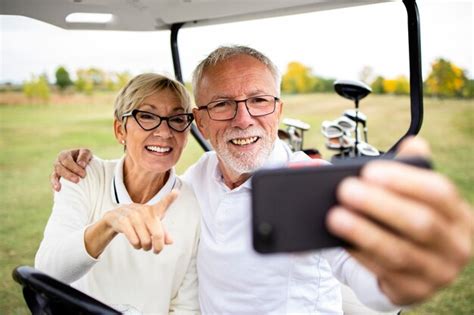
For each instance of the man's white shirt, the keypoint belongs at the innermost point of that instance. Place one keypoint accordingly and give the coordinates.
(233, 278)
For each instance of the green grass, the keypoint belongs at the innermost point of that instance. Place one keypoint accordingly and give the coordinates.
(32, 135)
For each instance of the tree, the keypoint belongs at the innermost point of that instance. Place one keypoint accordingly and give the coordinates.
(122, 79)
(445, 79)
(378, 85)
(84, 83)
(402, 86)
(62, 78)
(37, 88)
(323, 84)
(468, 90)
(297, 79)
(91, 79)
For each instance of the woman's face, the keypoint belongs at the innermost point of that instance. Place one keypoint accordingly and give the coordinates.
(159, 149)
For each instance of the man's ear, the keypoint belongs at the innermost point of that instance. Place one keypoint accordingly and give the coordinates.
(280, 111)
(119, 130)
(201, 122)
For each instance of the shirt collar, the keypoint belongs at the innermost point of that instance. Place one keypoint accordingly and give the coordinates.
(119, 191)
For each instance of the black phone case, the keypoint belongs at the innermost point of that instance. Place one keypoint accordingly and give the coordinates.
(289, 206)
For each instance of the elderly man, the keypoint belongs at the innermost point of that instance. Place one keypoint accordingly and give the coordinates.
(422, 243)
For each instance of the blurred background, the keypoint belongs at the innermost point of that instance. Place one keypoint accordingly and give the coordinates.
(57, 89)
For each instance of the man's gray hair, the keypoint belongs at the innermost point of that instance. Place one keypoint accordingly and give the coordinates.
(224, 53)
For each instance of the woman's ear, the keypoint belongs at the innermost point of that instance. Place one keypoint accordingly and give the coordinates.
(119, 130)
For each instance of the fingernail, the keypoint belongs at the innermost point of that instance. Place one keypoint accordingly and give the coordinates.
(82, 163)
(75, 180)
(340, 220)
(377, 172)
(352, 189)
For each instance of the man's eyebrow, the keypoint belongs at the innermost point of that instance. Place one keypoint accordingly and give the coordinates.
(248, 94)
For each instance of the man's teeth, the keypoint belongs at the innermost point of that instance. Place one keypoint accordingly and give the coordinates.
(244, 141)
(158, 149)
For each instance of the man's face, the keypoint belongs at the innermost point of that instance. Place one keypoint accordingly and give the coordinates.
(244, 143)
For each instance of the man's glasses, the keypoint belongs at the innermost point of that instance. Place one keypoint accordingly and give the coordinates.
(257, 106)
(149, 121)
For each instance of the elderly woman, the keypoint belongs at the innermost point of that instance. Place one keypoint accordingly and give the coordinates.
(96, 226)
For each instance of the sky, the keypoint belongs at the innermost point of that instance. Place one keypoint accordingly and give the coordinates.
(335, 44)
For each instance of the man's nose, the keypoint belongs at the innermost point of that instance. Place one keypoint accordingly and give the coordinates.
(242, 118)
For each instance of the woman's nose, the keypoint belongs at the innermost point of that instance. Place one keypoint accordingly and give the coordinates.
(163, 130)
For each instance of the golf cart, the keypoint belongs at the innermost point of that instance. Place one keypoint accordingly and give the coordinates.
(147, 15)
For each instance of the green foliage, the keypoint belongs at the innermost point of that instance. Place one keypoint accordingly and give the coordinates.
(94, 79)
(446, 80)
(402, 86)
(37, 89)
(62, 78)
(323, 84)
(84, 86)
(377, 85)
(298, 78)
(468, 90)
(90, 79)
(122, 79)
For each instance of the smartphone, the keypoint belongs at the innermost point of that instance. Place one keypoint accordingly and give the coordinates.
(289, 206)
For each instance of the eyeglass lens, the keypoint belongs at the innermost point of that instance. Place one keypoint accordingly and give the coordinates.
(150, 121)
(256, 106)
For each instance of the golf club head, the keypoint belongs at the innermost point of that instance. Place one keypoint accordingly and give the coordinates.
(296, 123)
(366, 149)
(331, 130)
(343, 142)
(346, 124)
(352, 89)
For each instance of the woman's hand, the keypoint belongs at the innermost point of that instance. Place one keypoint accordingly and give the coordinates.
(141, 225)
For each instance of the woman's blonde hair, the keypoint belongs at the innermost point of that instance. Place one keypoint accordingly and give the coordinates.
(143, 85)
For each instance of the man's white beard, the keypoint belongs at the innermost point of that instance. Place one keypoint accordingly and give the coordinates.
(245, 162)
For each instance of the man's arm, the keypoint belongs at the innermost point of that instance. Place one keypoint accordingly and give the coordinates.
(409, 226)
(70, 164)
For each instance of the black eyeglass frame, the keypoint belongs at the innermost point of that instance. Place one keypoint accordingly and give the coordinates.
(206, 107)
(134, 113)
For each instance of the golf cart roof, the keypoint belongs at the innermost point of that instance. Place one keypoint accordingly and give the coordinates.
(152, 15)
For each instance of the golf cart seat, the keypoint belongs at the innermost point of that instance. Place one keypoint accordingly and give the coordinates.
(46, 295)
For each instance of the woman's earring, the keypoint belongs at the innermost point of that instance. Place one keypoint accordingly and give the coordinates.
(123, 142)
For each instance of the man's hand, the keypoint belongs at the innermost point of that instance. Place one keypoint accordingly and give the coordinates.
(409, 226)
(141, 225)
(71, 165)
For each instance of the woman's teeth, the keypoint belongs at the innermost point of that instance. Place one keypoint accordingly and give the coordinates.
(155, 148)
(244, 141)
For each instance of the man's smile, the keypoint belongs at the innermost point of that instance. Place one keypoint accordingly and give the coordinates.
(244, 141)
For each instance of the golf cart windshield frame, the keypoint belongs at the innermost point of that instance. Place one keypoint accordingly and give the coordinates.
(416, 82)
